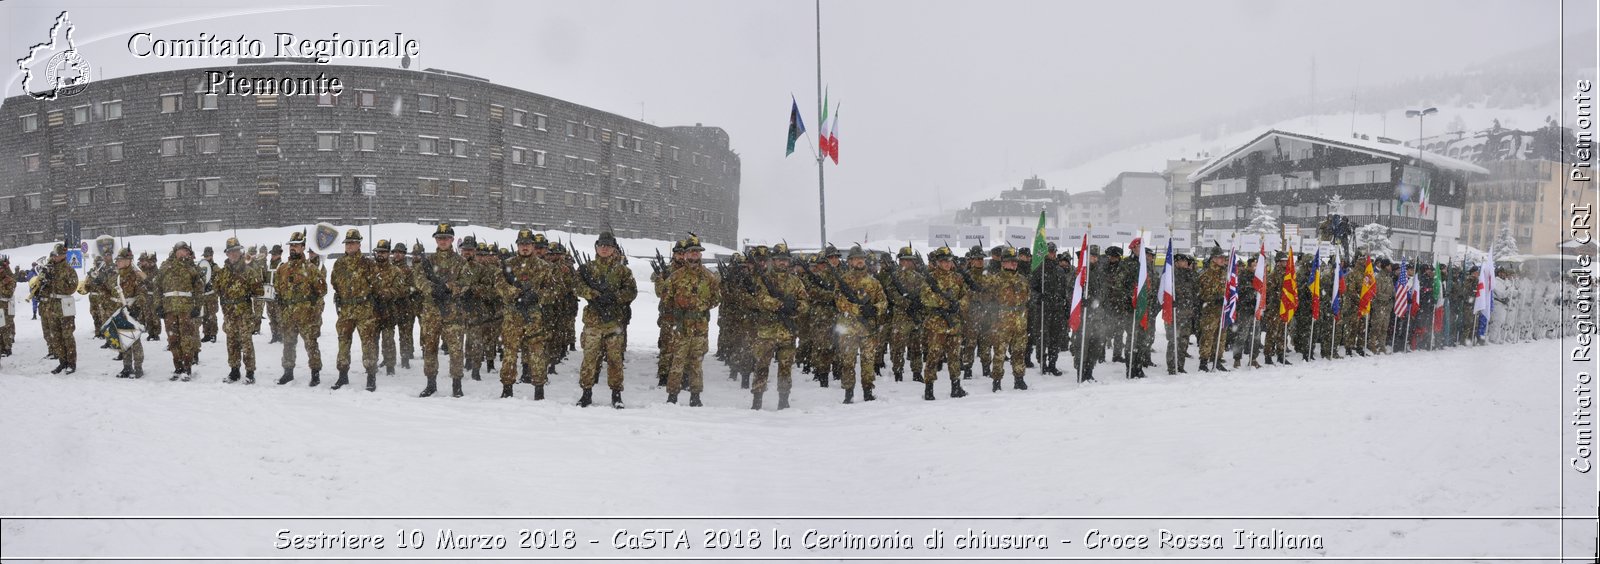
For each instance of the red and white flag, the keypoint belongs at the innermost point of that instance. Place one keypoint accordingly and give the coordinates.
(1080, 285)
(1259, 282)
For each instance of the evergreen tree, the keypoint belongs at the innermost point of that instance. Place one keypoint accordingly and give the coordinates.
(1374, 237)
(1505, 245)
(1262, 221)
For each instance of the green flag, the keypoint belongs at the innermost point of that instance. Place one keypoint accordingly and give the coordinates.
(797, 127)
(1038, 244)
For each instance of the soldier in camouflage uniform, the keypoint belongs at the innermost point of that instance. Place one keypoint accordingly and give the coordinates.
(8, 320)
(740, 293)
(822, 316)
(1008, 335)
(608, 286)
(151, 297)
(1382, 314)
(477, 283)
(665, 321)
(1274, 342)
(977, 317)
(691, 292)
(238, 285)
(1185, 312)
(97, 284)
(182, 283)
(904, 291)
(943, 299)
(527, 282)
(127, 283)
(860, 301)
(404, 306)
(208, 297)
(355, 291)
(560, 313)
(57, 285)
(274, 306)
(300, 286)
(1213, 282)
(780, 300)
(438, 277)
(1050, 297)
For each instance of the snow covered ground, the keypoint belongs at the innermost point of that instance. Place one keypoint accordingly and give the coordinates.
(1429, 433)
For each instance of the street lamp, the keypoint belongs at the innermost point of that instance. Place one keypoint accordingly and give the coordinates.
(1419, 114)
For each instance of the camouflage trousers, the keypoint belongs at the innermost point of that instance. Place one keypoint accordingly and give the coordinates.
(1378, 335)
(943, 344)
(775, 345)
(824, 349)
(482, 342)
(688, 351)
(237, 325)
(1274, 345)
(524, 341)
(404, 328)
(905, 344)
(208, 316)
(606, 341)
(134, 356)
(292, 332)
(1210, 322)
(856, 343)
(100, 309)
(148, 318)
(1008, 338)
(357, 320)
(58, 331)
(972, 342)
(8, 326)
(435, 332)
(664, 328)
(183, 337)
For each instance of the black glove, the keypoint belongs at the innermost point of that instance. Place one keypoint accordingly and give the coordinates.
(869, 310)
(527, 300)
(789, 307)
(440, 295)
(603, 299)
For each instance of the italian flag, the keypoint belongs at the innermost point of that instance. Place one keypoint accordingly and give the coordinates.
(1168, 288)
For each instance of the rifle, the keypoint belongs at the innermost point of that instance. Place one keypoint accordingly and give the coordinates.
(526, 301)
(789, 305)
(659, 265)
(951, 308)
(441, 290)
(853, 296)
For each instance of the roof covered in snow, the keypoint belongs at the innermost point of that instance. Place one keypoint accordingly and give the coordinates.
(1377, 148)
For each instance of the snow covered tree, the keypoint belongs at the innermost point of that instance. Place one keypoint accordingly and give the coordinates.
(1505, 245)
(1262, 221)
(1467, 254)
(1335, 204)
(1374, 237)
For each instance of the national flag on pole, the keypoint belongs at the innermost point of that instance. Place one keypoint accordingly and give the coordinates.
(1369, 287)
(1141, 294)
(1315, 288)
(1414, 293)
(1338, 287)
(1483, 302)
(1080, 285)
(1040, 246)
(1230, 300)
(1422, 196)
(822, 127)
(833, 136)
(1402, 299)
(1259, 282)
(797, 127)
(1135, 254)
(1438, 297)
(1168, 287)
(1289, 299)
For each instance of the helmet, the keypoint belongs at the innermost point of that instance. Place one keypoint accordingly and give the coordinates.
(737, 258)
(1114, 251)
(976, 252)
(399, 247)
(183, 245)
(207, 253)
(781, 251)
(469, 242)
(540, 241)
(1009, 254)
(857, 252)
(125, 253)
(830, 251)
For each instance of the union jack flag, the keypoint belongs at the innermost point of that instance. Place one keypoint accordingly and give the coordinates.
(1230, 301)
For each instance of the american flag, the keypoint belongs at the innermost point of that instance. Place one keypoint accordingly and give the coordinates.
(1402, 301)
(1230, 301)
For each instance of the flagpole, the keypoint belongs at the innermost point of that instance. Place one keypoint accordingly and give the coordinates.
(822, 193)
(1083, 327)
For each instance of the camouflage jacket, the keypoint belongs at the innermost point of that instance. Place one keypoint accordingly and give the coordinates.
(526, 283)
(181, 284)
(300, 286)
(59, 280)
(692, 291)
(236, 284)
(780, 301)
(608, 286)
(8, 290)
(905, 294)
(943, 298)
(354, 286)
(858, 291)
(438, 280)
(132, 282)
(1212, 284)
(1009, 290)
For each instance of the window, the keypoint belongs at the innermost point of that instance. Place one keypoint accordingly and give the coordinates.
(638, 145)
(368, 185)
(211, 186)
(540, 121)
(366, 142)
(538, 195)
(327, 140)
(174, 228)
(569, 197)
(428, 186)
(209, 144)
(366, 99)
(82, 156)
(622, 140)
(517, 155)
(459, 188)
(171, 103)
(427, 104)
(674, 154)
(518, 117)
(85, 196)
(117, 194)
(590, 167)
(327, 99)
(458, 147)
(171, 146)
(588, 201)
(208, 101)
(327, 185)
(588, 132)
(638, 176)
(30, 123)
(672, 182)
(170, 189)
(34, 201)
(210, 226)
(538, 159)
(572, 129)
(8, 205)
(113, 152)
(1372, 176)
(460, 107)
(658, 149)
(428, 145)
(517, 193)
(572, 163)
(31, 163)
(80, 114)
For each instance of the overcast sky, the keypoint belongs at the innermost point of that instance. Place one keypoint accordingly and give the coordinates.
(938, 97)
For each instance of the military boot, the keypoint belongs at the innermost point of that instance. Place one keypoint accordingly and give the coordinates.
(661, 380)
(996, 385)
(1222, 366)
(126, 372)
(899, 376)
(315, 378)
(505, 391)
(783, 400)
(61, 366)
(475, 374)
(405, 362)
(755, 401)
(927, 389)
(916, 376)
(388, 371)
(616, 399)
(233, 375)
(1205, 366)
(849, 396)
(866, 394)
(966, 373)
(1019, 384)
(538, 392)
(430, 389)
(489, 364)
(344, 378)
(822, 377)
(249, 377)
(587, 399)
(288, 376)
(527, 375)
(694, 399)
(138, 372)
(985, 367)
(672, 397)
(372, 381)
(455, 387)
(744, 381)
